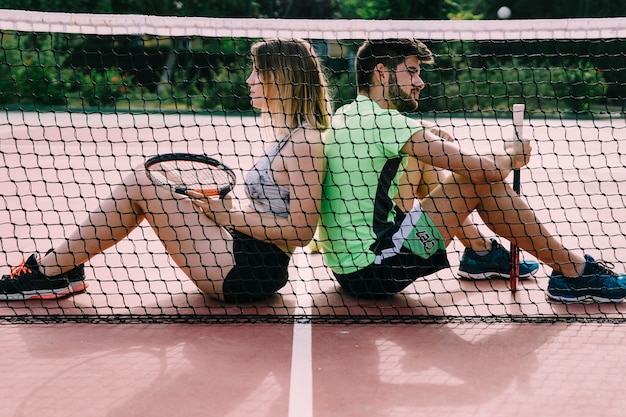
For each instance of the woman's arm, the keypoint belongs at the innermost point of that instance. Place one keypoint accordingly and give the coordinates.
(304, 165)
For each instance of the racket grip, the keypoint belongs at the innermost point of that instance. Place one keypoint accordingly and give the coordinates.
(515, 146)
(207, 192)
(518, 120)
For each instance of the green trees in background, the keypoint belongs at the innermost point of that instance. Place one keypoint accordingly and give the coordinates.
(144, 72)
(346, 9)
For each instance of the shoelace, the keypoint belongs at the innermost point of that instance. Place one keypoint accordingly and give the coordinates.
(20, 269)
(604, 267)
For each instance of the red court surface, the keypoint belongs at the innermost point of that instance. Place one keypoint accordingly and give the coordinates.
(473, 348)
(256, 370)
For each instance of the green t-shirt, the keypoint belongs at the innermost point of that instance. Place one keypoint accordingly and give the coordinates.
(365, 162)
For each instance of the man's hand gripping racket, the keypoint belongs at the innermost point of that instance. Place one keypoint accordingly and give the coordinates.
(517, 147)
(183, 173)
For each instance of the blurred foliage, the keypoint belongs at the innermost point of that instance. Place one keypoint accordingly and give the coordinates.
(148, 72)
(344, 9)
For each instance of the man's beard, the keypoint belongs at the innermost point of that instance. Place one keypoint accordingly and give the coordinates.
(401, 101)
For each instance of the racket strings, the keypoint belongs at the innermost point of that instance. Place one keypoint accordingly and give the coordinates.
(191, 174)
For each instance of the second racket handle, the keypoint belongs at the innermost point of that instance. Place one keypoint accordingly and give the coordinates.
(515, 145)
(518, 120)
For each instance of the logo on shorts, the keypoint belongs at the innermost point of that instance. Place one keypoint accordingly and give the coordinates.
(425, 239)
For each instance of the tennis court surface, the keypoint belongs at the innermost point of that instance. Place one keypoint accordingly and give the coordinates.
(301, 370)
(143, 341)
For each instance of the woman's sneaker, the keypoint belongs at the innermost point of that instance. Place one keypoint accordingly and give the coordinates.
(26, 282)
(598, 283)
(496, 264)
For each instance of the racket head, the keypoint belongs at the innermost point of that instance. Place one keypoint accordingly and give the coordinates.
(183, 172)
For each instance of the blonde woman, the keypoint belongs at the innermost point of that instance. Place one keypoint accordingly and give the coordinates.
(232, 254)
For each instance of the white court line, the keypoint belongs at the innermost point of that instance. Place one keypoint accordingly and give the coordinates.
(301, 386)
(301, 380)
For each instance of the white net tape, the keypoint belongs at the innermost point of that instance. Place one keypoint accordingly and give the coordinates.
(103, 24)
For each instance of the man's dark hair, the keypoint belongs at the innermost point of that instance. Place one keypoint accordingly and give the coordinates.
(390, 53)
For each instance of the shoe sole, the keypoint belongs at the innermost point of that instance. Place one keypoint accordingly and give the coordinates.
(78, 287)
(74, 288)
(584, 299)
(490, 275)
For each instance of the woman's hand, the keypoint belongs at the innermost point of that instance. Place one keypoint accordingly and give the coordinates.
(217, 209)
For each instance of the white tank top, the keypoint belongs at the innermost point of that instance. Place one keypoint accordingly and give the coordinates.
(264, 194)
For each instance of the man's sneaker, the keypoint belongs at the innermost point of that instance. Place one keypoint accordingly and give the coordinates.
(496, 264)
(597, 284)
(26, 282)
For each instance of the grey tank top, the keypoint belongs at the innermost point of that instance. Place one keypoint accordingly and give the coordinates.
(264, 194)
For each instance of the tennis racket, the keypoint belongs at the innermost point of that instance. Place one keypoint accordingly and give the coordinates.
(184, 172)
(518, 125)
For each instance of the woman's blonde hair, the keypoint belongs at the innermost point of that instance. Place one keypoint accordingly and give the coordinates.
(293, 67)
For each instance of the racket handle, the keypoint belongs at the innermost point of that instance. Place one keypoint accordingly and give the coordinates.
(518, 120)
(212, 192)
(518, 125)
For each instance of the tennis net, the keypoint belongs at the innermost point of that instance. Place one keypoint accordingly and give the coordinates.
(86, 98)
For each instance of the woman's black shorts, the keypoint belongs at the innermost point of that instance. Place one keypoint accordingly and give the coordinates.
(260, 270)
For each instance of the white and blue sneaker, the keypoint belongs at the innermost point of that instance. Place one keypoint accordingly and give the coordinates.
(496, 264)
(598, 283)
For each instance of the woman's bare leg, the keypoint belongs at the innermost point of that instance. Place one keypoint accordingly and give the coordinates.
(198, 246)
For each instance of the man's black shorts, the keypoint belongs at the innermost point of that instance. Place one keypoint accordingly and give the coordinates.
(392, 275)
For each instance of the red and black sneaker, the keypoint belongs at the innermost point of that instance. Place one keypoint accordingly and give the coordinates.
(26, 282)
